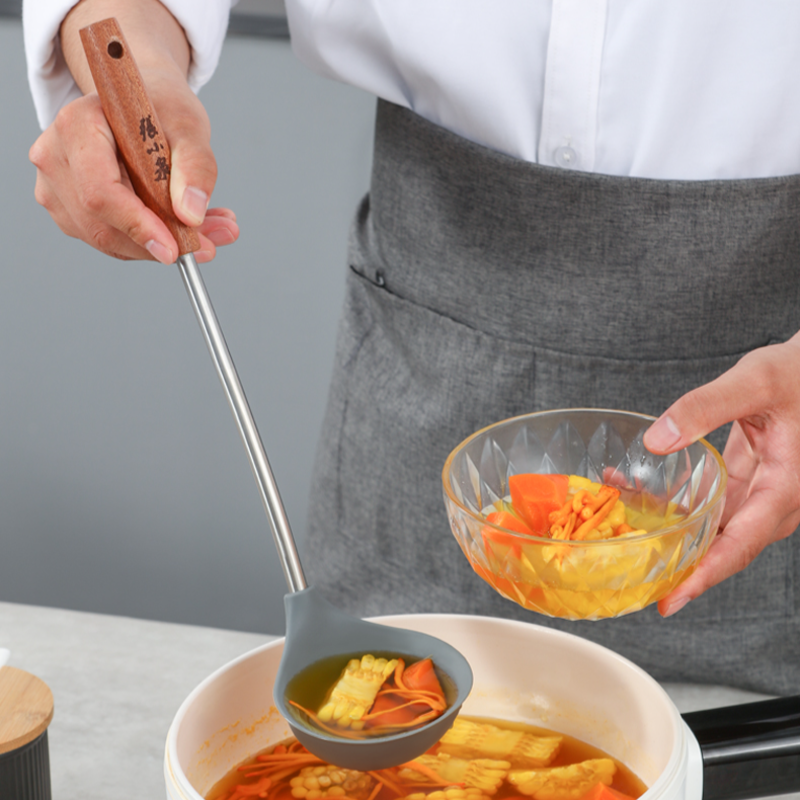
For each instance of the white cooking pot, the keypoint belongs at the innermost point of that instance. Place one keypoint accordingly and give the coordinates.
(522, 672)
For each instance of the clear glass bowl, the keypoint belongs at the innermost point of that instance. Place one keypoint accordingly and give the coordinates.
(680, 497)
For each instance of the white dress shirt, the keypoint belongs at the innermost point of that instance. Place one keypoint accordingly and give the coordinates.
(686, 89)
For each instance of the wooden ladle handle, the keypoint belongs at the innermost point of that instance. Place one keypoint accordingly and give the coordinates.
(142, 145)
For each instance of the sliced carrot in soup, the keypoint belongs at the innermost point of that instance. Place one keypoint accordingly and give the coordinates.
(603, 792)
(422, 676)
(534, 497)
(395, 704)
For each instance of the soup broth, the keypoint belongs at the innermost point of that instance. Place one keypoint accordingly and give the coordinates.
(492, 774)
(309, 687)
(309, 690)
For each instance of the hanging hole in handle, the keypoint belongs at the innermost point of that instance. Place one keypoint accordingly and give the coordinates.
(115, 49)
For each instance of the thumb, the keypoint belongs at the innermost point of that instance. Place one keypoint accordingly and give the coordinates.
(746, 389)
(194, 173)
(194, 168)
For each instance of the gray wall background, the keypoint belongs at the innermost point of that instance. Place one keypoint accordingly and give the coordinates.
(124, 487)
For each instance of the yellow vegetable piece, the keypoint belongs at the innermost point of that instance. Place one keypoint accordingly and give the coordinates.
(481, 773)
(563, 783)
(577, 482)
(522, 749)
(451, 793)
(355, 692)
(331, 782)
(617, 514)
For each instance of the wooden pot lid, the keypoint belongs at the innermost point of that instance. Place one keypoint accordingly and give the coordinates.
(26, 708)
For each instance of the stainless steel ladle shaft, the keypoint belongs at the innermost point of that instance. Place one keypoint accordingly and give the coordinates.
(270, 497)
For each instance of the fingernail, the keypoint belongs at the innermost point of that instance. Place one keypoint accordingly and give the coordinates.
(194, 204)
(663, 434)
(675, 607)
(159, 252)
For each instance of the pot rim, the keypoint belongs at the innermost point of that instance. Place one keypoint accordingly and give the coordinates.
(675, 769)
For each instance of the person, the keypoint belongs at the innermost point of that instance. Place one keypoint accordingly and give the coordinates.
(571, 204)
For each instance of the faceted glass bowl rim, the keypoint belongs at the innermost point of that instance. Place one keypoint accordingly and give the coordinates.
(699, 514)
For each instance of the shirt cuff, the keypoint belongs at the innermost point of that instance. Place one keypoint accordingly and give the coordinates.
(52, 86)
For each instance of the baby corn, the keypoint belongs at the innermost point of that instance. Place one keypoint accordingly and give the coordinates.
(563, 783)
(523, 750)
(451, 793)
(482, 773)
(355, 692)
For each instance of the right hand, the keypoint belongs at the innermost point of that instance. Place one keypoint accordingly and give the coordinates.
(85, 188)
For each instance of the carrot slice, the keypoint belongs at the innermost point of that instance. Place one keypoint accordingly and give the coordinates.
(534, 497)
(395, 704)
(603, 792)
(422, 676)
(505, 519)
(500, 543)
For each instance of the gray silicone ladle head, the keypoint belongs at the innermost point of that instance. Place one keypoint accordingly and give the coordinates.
(316, 630)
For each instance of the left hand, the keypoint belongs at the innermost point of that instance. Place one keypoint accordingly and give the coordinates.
(761, 396)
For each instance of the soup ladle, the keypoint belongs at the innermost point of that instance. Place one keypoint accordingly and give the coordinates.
(315, 630)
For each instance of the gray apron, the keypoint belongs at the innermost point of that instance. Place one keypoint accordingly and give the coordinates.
(481, 287)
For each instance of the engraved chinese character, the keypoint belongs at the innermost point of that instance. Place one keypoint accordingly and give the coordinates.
(162, 169)
(147, 128)
(154, 149)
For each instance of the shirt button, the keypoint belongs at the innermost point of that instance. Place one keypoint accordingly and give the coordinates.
(566, 157)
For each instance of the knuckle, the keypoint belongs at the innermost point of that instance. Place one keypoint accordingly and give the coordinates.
(38, 153)
(43, 195)
(92, 197)
(101, 237)
(766, 373)
(201, 169)
(134, 230)
(65, 120)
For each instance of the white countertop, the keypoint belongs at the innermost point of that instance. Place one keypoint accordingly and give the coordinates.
(117, 683)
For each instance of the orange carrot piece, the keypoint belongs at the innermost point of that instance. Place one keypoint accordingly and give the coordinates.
(409, 697)
(505, 519)
(623, 528)
(599, 516)
(534, 497)
(603, 792)
(382, 776)
(252, 789)
(602, 497)
(422, 676)
(388, 711)
(375, 790)
(581, 498)
(560, 517)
